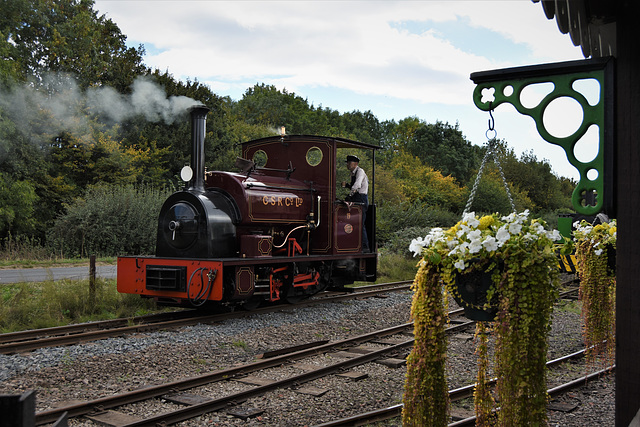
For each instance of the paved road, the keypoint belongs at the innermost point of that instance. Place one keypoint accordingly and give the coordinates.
(14, 275)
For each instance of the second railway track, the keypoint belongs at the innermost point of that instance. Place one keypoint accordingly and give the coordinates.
(77, 333)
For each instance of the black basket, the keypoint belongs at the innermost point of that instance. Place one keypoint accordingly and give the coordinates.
(471, 294)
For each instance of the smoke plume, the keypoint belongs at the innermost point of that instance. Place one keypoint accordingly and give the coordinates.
(60, 105)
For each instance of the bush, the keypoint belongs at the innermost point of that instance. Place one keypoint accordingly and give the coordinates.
(394, 267)
(401, 239)
(108, 221)
(394, 219)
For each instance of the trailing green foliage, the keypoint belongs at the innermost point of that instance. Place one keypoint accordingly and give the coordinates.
(107, 221)
(595, 253)
(426, 396)
(527, 292)
(484, 401)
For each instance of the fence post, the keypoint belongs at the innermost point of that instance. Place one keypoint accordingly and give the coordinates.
(92, 281)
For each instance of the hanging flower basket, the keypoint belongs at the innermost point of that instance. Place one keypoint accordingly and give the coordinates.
(595, 248)
(501, 268)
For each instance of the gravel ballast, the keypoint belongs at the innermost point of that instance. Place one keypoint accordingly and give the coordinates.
(102, 368)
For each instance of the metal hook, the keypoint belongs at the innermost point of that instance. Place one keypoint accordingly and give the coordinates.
(491, 121)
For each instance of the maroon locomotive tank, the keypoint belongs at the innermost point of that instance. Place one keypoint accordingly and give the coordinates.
(265, 200)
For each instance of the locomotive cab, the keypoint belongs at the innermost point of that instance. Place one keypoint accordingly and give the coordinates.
(316, 161)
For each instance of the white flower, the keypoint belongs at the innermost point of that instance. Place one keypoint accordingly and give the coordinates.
(416, 246)
(463, 230)
(509, 218)
(474, 246)
(471, 220)
(522, 216)
(554, 235)
(502, 236)
(515, 228)
(459, 264)
(490, 244)
(537, 228)
(475, 234)
(474, 222)
(598, 251)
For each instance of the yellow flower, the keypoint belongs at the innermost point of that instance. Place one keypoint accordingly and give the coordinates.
(486, 221)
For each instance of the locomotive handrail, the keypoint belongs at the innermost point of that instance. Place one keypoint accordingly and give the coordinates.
(318, 218)
(289, 234)
(274, 187)
(344, 202)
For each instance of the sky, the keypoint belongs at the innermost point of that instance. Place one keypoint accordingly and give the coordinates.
(396, 59)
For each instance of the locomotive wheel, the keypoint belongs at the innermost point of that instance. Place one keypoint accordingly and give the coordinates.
(252, 303)
(294, 299)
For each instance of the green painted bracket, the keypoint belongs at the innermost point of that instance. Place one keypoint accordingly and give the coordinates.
(596, 176)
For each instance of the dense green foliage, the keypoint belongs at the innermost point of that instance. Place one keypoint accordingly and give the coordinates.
(108, 220)
(71, 119)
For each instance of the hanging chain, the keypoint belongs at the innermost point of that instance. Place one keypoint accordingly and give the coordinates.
(504, 181)
(491, 152)
(477, 181)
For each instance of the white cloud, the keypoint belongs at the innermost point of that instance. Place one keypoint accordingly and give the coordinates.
(345, 44)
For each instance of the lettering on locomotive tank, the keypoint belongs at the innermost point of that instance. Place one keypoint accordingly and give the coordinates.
(282, 201)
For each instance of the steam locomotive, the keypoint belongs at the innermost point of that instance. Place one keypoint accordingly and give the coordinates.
(274, 231)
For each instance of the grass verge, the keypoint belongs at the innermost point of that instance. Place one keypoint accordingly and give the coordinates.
(55, 303)
(62, 302)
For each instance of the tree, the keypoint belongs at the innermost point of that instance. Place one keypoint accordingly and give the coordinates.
(66, 36)
(535, 178)
(417, 181)
(109, 220)
(17, 203)
(444, 148)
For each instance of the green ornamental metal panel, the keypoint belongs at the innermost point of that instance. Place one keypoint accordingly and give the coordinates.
(596, 175)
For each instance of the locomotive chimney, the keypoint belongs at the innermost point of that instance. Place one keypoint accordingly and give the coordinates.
(198, 130)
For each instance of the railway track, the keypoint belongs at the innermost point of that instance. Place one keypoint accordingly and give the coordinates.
(22, 341)
(458, 394)
(349, 351)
